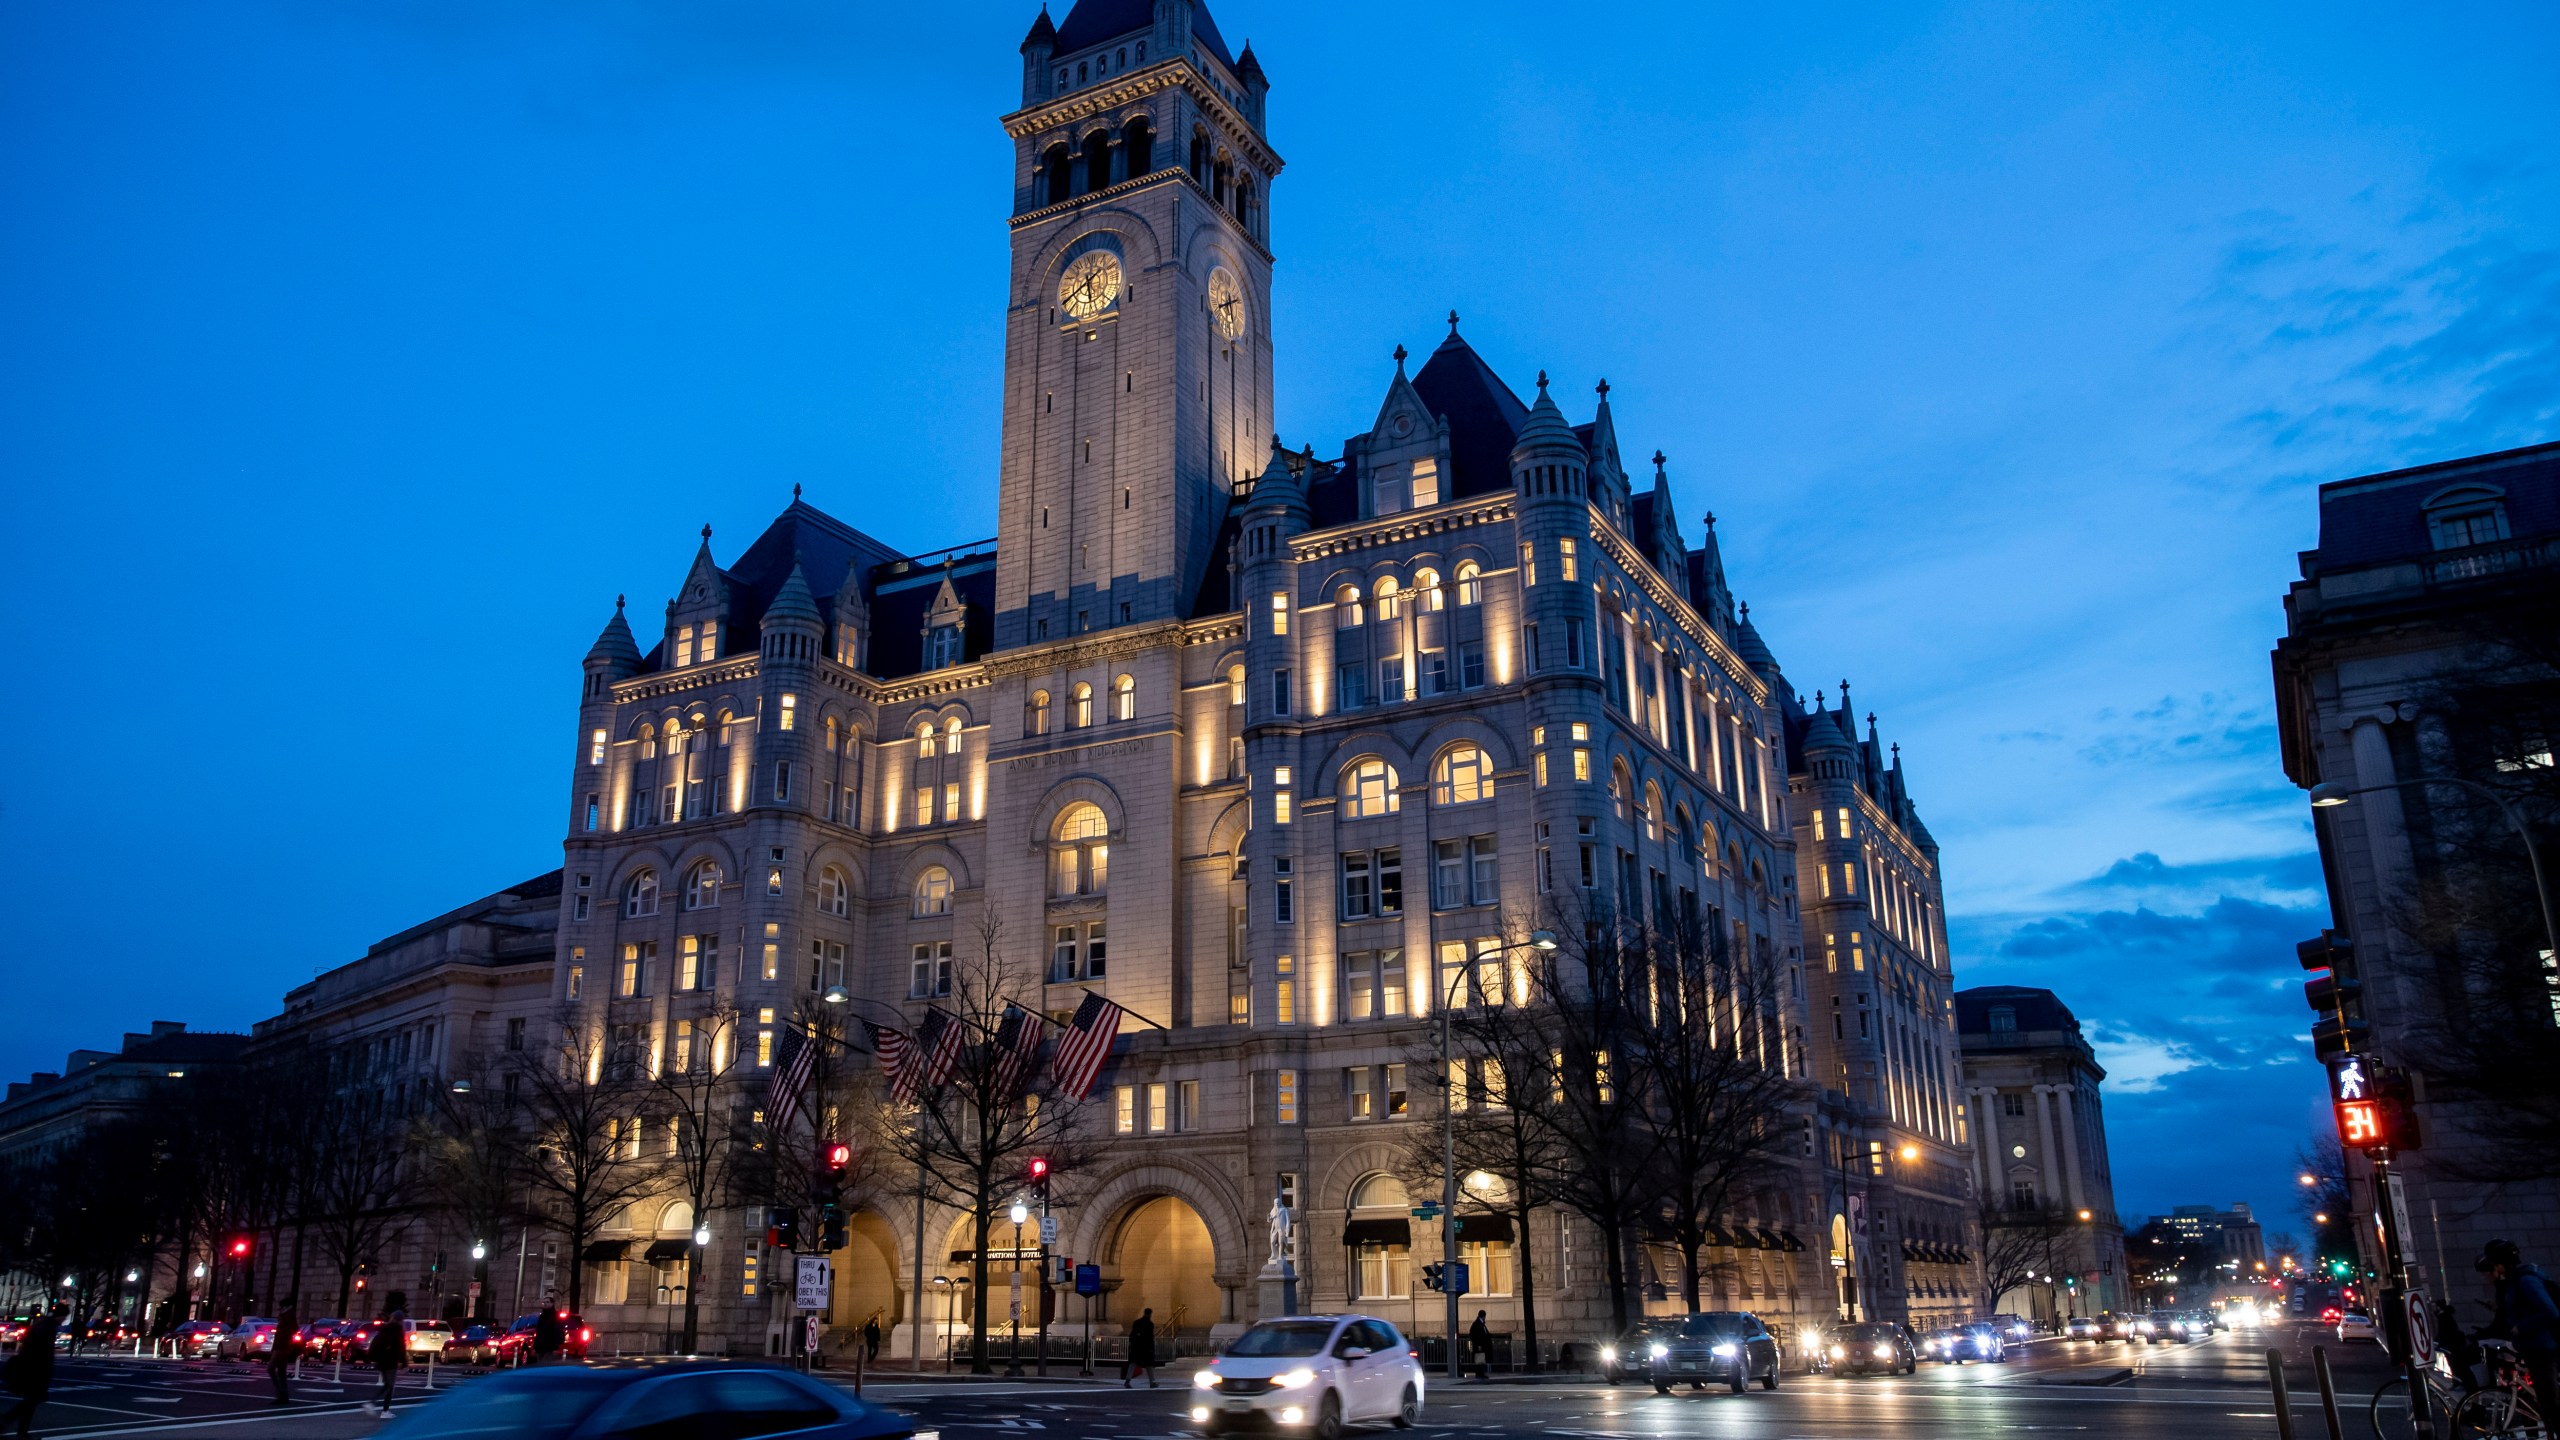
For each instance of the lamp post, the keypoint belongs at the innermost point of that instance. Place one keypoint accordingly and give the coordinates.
(1019, 1213)
(1538, 940)
(2328, 795)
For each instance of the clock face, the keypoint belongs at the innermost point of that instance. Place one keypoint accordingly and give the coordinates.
(1226, 302)
(1091, 284)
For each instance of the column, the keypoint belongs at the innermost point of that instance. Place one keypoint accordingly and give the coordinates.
(2048, 1156)
(2070, 1122)
(1986, 1143)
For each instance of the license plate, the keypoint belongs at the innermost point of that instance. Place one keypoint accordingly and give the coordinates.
(1239, 1404)
(1688, 1364)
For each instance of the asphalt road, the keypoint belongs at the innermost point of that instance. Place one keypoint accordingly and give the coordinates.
(2165, 1392)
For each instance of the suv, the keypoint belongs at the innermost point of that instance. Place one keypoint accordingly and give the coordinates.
(1319, 1371)
(1625, 1357)
(1871, 1346)
(1726, 1345)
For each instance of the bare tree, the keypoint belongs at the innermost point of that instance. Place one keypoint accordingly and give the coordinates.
(711, 1116)
(358, 1196)
(581, 1103)
(972, 1132)
(472, 1154)
(2018, 1244)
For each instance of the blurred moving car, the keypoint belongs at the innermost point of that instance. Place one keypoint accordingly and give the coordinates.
(1875, 1345)
(515, 1347)
(569, 1403)
(1730, 1346)
(425, 1338)
(2085, 1327)
(1627, 1356)
(2014, 1328)
(251, 1339)
(195, 1339)
(2357, 1325)
(472, 1344)
(1319, 1372)
(1989, 1341)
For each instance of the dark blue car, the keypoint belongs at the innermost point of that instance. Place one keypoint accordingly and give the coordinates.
(652, 1402)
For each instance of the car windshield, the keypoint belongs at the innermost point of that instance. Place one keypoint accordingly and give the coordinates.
(1873, 1332)
(1711, 1327)
(1282, 1337)
(544, 1406)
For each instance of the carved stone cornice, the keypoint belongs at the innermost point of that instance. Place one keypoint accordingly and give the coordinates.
(675, 682)
(1402, 528)
(1176, 73)
(1636, 567)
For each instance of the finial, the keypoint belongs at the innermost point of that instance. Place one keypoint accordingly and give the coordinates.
(1658, 459)
(1897, 752)
(1603, 388)
(1746, 609)
(1276, 446)
(706, 530)
(617, 604)
(1453, 324)
(1819, 696)
(1542, 382)
(795, 493)
(1711, 519)
(1399, 359)
(1871, 722)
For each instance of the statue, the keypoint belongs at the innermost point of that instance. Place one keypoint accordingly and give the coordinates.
(1280, 1228)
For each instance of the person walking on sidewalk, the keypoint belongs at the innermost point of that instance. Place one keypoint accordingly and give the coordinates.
(29, 1373)
(280, 1357)
(2528, 1315)
(550, 1336)
(1480, 1340)
(871, 1339)
(388, 1353)
(1142, 1350)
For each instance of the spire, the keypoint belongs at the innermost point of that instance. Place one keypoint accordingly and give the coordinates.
(793, 602)
(1547, 429)
(1400, 354)
(1248, 68)
(1453, 324)
(614, 649)
(1043, 36)
(1279, 487)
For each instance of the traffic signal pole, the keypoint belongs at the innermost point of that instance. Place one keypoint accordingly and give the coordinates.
(2395, 1295)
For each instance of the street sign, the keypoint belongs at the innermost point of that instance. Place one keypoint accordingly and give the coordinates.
(2422, 1334)
(1088, 1279)
(1048, 1229)
(1427, 1210)
(810, 1287)
(1455, 1277)
(813, 1327)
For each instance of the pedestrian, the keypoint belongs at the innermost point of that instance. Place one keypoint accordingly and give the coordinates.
(29, 1373)
(549, 1335)
(389, 1351)
(280, 1357)
(1480, 1340)
(871, 1339)
(2528, 1314)
(1142, 1350)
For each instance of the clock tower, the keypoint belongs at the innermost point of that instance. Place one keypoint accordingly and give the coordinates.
(1137, 384)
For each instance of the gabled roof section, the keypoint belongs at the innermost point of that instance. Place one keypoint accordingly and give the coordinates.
(1485, 418)
(1093, 22)
(803, 537)
(903, 602)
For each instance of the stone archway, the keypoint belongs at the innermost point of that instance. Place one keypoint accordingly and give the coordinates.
(868, 1280)
(1167, 1262)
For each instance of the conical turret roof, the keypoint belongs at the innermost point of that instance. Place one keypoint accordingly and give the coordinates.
(1546, 429)
(615, 646)
(794, 601)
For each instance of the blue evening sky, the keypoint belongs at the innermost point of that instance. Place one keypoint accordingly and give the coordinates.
(353, 356)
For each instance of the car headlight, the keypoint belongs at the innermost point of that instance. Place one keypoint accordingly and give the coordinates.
(1839, 1352)
(1294, 1380)
(1724, 1352)
(1884, 1352)
(1659, 1351)
(1608, 1354)
(1205, 1379)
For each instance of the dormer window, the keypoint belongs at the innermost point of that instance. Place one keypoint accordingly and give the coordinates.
(2467, 515)
(2004, 1021)
(942, 648)
(1426, 483)
(684, 646)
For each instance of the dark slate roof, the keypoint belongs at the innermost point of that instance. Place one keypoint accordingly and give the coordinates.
(2376, 518)
(823, 547)
(1093, 22)
(187, 1047)
(1217, 590)
(1333, 498)
(1643, 500)
(1484, 417)
(901, 601)
(2037, 1009)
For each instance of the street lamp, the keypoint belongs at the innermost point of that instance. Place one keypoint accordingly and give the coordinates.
(1544, 940)
(943, 1284)
(702, 1237)
(837, 995)
(1019, 1213)
(479, 1250)
(2328, 795)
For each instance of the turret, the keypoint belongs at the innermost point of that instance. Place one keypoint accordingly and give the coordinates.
(614, 656)
(794, 632)
(1256, 84)
(1037, 47)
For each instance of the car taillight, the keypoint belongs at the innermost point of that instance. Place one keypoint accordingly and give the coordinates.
(585, 1335)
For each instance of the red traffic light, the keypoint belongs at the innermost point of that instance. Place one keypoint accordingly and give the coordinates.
(1039, 1169)
(839, 1156)
(239, 1246)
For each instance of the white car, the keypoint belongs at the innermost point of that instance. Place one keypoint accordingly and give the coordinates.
(1310, 1373)
(2357, 1325)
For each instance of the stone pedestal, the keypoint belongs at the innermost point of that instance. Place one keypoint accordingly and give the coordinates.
(1274, 1291)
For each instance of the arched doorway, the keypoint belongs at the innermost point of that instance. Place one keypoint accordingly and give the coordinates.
(1167, 1263)
(868, 1281)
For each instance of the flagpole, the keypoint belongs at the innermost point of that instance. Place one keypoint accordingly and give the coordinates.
(1132, 1014)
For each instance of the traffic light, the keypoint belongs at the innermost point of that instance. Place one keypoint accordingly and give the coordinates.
(2335, 995)
(1040, 1179)
(830, 1187)
(782, 1228)
(1431, 1275)
(239, 1247)
(832, 1236)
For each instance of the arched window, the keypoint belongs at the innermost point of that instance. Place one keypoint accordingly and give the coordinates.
(835, 894)
(1080, 853)
(933, 892)
(1235, 685)
(951, 736)
(1380, 1192)
(1369, 788)
(1622, 791)
(648, 742)
(1470, 583)
(1097, 161)
(1347, 611)
(1380, 1235)
(1462, 776)
(2464, 515)
(1652, 811)
(928, 740)
(1139, 139)
(1124, 698)
(702, 886)
(1080, 705)
(1426, 586)
(640, 897)
(1244, 202)
(1057, 176)
(1035, 720)
(1390, 599)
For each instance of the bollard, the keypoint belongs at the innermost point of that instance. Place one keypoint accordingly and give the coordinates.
(338, 1369)
(2284, 1402)
(431, 1370)
(2328, 1392)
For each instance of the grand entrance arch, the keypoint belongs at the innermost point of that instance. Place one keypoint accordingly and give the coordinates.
(868, 1282)
(1167, 1263)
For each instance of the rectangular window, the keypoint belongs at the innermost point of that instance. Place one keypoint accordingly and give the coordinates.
(1279, 692)
(929, 971)
(1359, 1102)
(1572, 641)
(684, 645)
(1062, 954)
(1471, 665)
(1280, 811)
(1287, 1111)
(693, 799)
(577, 976)
(1286, 996)
(1458, 1084)
(1448, 874)
(710, 650)
(1159, 1108)
(1124, 1102)
(1391, 681)
(595, 812)
(924, 804)
(680, 1049)
(1240, 1009)
(1359, 986)
(1094, 946)
(1435, 674)
(1565, 563)
(1528, 564)
(689, 963)
(1485, 873)
(1426, 483)
(1279, 614)
(1284, 902)
(1490, 988)
(1186, 1105)
(1396, 1103)
(1351, 686)
(1540, 764)
(1391, 989)
(595, 747)
(1390, 882)
(790, 711)
(1355, 885)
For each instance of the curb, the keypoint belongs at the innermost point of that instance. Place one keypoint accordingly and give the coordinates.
(2092, 1375)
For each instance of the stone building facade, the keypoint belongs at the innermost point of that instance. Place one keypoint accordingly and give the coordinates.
(2040, 1157)
(1269, 748)
(2417, 572)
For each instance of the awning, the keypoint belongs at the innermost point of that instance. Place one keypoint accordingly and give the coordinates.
(1398, 1231)
(604, 1252)
(661, 1251)
(1789, 1236)
(1769, 1241)
(1484, 1228)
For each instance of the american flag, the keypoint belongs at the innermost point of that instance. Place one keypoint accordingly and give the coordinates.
(1018, 1049)
(894, 1049)
(1084, 1047)
(791, 1062)
(937, 1049)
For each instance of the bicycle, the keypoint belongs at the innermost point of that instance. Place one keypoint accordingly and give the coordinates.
(2445, 1395)
(2506, 1405)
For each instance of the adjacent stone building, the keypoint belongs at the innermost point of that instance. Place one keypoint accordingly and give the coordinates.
(2040, 1158)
